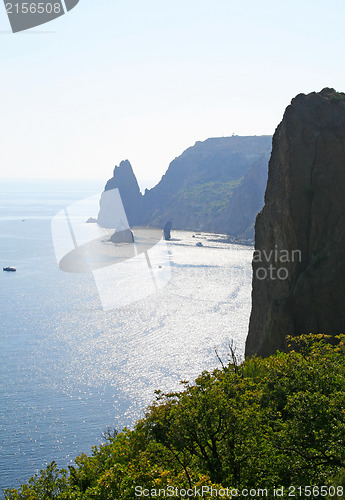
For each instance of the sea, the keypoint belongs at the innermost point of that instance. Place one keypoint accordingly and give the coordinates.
(69, 370)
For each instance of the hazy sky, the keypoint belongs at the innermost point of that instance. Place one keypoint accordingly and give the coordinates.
(144, 80)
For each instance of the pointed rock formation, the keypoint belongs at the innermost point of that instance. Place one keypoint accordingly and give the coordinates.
(125, 181)
(299, 258)
(166, 230)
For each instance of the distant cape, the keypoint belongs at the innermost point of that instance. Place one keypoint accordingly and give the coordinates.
(216, 185)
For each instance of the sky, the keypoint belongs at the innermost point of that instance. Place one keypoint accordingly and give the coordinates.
(144, 80)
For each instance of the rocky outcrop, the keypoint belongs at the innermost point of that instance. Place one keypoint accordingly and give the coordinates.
(122, 236)
(166, 230)
(299, 258)
(125, 181)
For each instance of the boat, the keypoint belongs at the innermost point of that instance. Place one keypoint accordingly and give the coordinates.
(199, 244)
(9, 269)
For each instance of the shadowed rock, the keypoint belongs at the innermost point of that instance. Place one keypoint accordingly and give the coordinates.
(238, 219)
(166, 230)
(124, 236)
(304, 211)
(125, 181)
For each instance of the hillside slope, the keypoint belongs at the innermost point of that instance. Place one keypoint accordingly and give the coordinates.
(199, 189)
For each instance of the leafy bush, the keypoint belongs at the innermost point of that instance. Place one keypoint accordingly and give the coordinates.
(265, 423)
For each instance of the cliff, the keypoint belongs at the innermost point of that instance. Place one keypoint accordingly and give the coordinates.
(298, 264)
(125, 181)
(196, 190)
(215, 185)
(238, 217)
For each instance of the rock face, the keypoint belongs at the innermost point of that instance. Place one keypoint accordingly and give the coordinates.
(124, 236)
(196, 191)
(238, 218)
(216, 185)
(299, 258)
(166, 230)
(125, 181)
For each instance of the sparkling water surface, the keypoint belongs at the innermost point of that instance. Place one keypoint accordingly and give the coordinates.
(68, 369)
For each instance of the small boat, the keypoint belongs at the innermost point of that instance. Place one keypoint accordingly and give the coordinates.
(9, 269)
(199, 244)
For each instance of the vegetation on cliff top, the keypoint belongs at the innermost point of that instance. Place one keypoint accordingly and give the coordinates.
(265, 423)
(208, 199)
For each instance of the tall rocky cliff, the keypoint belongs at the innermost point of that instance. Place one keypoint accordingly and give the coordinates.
(215, 185)
(196, 191)
(125, 181)
(238, 217)
(299, 258)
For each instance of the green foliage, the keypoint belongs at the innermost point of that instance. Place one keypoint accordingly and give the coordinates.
(49, 483)
(266, 423)
(209, 199)
(337, 97)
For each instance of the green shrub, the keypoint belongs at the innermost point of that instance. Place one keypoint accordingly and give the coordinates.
(266, 423)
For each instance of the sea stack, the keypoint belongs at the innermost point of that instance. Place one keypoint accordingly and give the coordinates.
(125, 181)
(166, 230)
(299, 258)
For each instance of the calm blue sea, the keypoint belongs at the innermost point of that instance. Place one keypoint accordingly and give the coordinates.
(68, 370)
